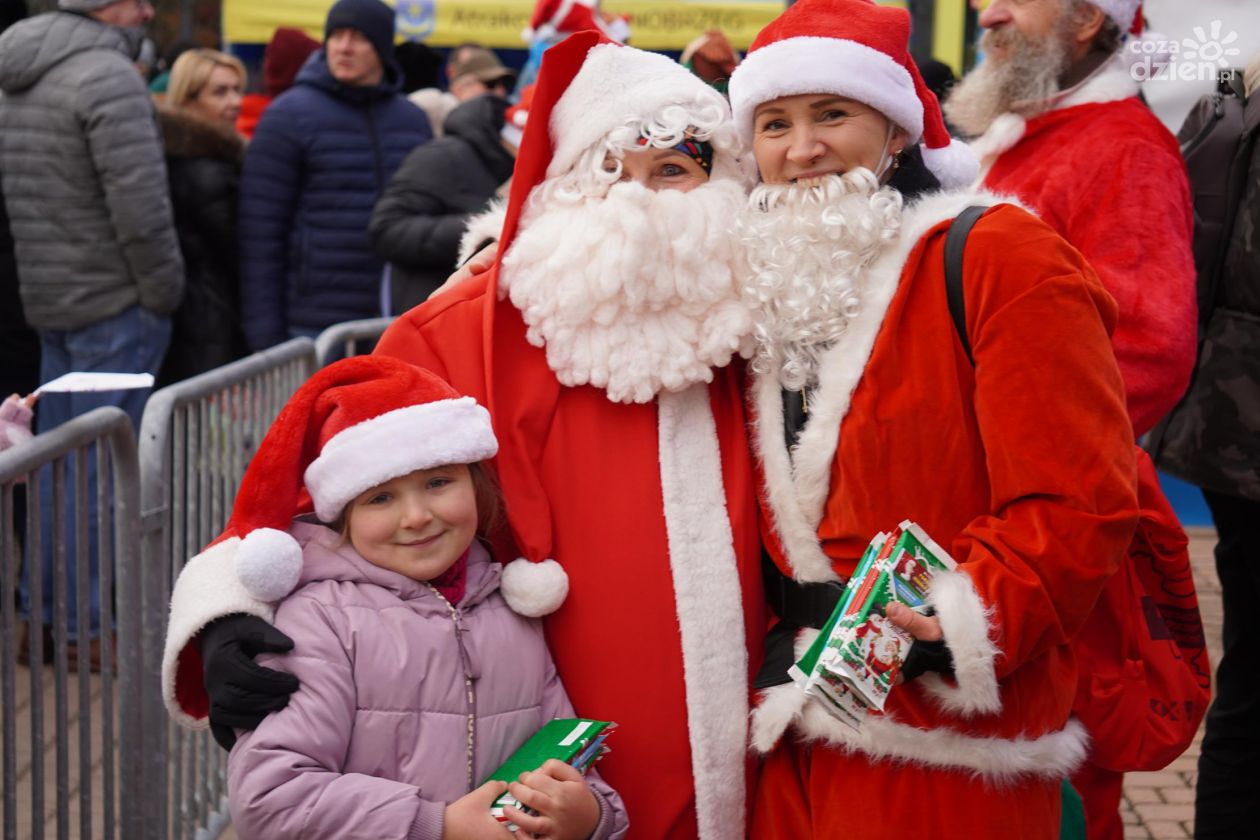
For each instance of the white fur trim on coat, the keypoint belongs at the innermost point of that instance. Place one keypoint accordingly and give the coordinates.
(395, 443)
(998, 760)
(797, 485)
(206, 589)
(710, 607)
(968, 635)
(534, 589)
(483, 226)
(809, 64)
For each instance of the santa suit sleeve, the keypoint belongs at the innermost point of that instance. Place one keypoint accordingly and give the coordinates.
(1049, 408)
(1130, 214)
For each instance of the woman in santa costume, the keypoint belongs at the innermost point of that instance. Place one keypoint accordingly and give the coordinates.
(605, 345)
(1015, 452)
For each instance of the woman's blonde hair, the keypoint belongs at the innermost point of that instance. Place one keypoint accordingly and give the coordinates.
(193, 69)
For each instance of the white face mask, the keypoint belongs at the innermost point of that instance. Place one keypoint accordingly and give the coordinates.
(885, 159)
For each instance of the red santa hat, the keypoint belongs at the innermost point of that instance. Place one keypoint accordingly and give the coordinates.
(564, 17)
(353, 425)
(855, 49)
(1126, 13)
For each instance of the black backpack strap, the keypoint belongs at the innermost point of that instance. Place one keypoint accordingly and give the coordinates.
(955, 246)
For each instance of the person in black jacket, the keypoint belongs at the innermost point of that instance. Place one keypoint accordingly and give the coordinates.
(203, 162)
(421, 216)
(320, 158)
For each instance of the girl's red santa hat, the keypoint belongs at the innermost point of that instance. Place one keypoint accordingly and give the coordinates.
(858, 50)
(355, 424)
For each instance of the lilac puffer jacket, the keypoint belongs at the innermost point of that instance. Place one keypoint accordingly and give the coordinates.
(406, 703)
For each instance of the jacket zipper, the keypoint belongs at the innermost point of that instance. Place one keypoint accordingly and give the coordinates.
(470, 691)
(376, 151)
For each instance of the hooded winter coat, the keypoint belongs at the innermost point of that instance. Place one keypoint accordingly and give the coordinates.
(394, 679)
(84, 180)
(418, 221)
(321, 155)
(203, 161)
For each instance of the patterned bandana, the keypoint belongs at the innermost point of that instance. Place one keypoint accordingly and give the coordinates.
(701, 151)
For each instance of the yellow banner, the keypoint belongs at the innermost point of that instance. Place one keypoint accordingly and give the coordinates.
(654, 24)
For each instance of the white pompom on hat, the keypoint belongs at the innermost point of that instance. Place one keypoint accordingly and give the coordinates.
(353, 425)
(858, 50)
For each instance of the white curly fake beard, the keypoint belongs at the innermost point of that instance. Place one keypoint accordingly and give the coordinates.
(810, 246)
(635, 292)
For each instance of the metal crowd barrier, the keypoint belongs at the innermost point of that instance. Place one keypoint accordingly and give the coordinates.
(353, 338)
(196, 438)
(65, 727)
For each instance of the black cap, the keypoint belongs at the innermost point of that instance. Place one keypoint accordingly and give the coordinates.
(371, 17)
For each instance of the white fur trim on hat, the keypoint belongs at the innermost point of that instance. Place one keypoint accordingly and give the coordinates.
(617, 84)
(203, 592)
(1121, 11)
(268, 563)
(534, 589)
(395, 443)
(810, 64)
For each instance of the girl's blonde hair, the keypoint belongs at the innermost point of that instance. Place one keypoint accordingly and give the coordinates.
(193, 69)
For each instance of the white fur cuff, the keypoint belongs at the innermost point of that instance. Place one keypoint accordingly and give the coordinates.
(206, 589)
(881, 738)
(483, 226)
(965, 624)
(534, 589)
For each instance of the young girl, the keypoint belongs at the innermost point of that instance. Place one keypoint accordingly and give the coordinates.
(417, 680)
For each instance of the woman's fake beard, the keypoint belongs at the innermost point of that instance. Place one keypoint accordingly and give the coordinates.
(635, 291)
(809, 247)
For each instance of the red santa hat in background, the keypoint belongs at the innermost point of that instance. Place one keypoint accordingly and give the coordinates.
(514, 118)
(353, 425)
(554, 18)
(1126, 13)
(858, 50)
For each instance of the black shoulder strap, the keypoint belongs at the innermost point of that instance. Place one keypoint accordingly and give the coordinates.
(955, 245)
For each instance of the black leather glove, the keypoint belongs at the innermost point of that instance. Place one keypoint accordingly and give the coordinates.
(927, 656)
(241, 691)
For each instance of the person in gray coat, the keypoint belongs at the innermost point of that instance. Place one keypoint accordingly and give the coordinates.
(84, 182)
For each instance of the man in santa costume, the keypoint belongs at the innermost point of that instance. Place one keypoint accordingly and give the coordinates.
(604, 344)
(1060, 126)
(1005, 439)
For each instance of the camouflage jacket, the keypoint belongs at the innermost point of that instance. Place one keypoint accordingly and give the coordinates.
(1212, 438)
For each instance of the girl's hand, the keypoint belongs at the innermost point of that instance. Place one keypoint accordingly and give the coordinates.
(567, 810)
(468, 818)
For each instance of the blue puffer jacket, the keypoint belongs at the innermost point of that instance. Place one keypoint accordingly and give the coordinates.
(320, 156)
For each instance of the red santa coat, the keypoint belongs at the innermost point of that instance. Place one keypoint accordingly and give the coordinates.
(1102, 171)
(1022, 467)
(587, 482)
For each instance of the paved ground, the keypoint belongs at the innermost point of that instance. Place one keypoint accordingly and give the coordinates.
(1161, 805)
(1156, 805)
